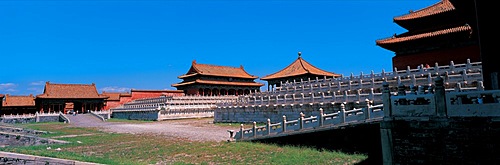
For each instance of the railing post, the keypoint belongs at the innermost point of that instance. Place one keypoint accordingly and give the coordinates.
(480, 86)
(321, 117)
(339, 85)
(342, 113)
(346, 96)
(386, 99)
(302, 100)
(384, 74)
(283, 124)
(429, 78)
(268, 126)
(401, 90)
(439, 96)
(241, 132)
(301, 120)
(254, 129)
(37, 117)
(368, 110)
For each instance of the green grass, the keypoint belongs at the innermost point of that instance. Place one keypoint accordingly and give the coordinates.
(113, 148)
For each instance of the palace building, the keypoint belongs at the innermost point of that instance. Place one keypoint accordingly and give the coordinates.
(115, 99)
(150, 93)
(1, 101)
(298, 70)
(443, 32)
(214, 80)
(78, 97)
(17, 104)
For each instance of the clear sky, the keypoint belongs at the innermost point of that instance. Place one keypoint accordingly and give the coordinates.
(123, 45)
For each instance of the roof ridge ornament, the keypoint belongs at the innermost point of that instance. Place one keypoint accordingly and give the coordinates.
(300, 54)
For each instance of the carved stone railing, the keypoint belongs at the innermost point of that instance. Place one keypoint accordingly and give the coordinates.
(64, 118)
(442, 103)
(304, 98)
(344, 116)
(19, 116)
(467, 74)
(416, 104)
(102, 115)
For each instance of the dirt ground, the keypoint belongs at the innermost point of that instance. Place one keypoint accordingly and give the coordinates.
(202, 129)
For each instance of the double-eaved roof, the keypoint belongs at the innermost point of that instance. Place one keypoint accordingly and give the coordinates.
(437, 8)
(297, 68)
(438, 21)
(466, 29)
(70, 91)
(216, 70)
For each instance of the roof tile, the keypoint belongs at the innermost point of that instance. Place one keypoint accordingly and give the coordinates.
(113, 96)
(19, 101)
(299, 67)
(395, 39)
(215, 82)
(72, 91)
(439, 7)
(216, 70)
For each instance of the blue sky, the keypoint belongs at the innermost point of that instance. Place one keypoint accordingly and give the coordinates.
(123, 45)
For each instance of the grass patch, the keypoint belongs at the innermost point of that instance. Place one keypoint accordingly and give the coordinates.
(137, 149)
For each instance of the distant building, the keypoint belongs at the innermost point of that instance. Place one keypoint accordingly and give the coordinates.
(443, 32)
(298, 70)
(1, 101)
(117, 99)
(214, 80)
(114, 99)
(59, 97)
(18, 105)
(147, 93)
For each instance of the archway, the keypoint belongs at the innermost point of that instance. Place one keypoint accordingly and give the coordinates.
(215, 92)
(223, 92)
(231, 92)
(206, 92)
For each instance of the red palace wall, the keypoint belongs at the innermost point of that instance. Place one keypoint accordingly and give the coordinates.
(457, 55)
(111, 104)
(114, 104)
(139, 94)
(192, 91)
(125, 99)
